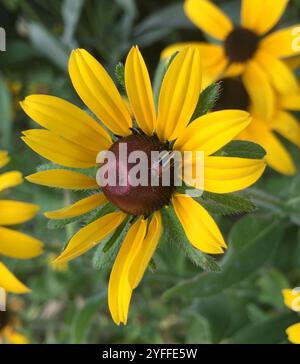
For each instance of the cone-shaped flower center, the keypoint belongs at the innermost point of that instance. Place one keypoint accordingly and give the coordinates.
(241, 44)
(233, 96)
(139, 189)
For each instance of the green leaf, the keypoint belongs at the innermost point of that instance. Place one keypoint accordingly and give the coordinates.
(174, 233)
(71, 11)
(129, 8)
(226, 204)
(159, 76)
(242, 149)
(271, 284)
(252, 243)
(271, 331)
(197, 328)
(61, 224)
(91, 172)
(48, 45)
(108, 248)
(217, 310)
(6, 124)
(96, 214)
(120, 74)
(207, 100)
(160, 23)
(292, 204)
(267, 201)
(82, 320)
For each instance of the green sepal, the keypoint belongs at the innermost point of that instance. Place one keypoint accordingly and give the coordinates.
(91, 172)
(174, 233)
(222, 203)
(87, 218)
(242, 149)
(207, 100)
(120, 74)
(226, 204)
(108, 248)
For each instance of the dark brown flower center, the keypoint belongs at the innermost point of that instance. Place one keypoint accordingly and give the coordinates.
(233, 95)
(241, 44)
(145, 198)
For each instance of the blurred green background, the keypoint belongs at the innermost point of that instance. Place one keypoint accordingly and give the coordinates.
(178, 303)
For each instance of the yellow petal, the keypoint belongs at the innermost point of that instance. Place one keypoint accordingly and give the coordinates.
(10, 179)
(259, 89)
(62, 178)
(66, 120)
(212, 131)
(78, 208)
(213, 61)
(261, 16)
(282, 43)
(288, 126)
(208, 17)
(215, 73)
(234, 70)
(17, 245)
(14, 337)
(10, 283)
(293, 333)
(280, 76)
(16, 212)
(292, 299)
(230, 174)
(251, 13)
(98, 91)
(210, 54)
(119, 288)
(89, 236)
(290, 101)
(59, 150)
(277, 156)
(200, 228)
(142, 260)
(139, 91)
(4, 158)
(179, 94)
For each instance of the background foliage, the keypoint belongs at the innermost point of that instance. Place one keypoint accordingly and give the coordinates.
(178, 302)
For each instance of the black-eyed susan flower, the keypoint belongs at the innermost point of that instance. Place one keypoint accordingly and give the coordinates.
(292, 300)
(14, 244)
(10, 324)
(72, 138)
(264, 130)
(248, 50)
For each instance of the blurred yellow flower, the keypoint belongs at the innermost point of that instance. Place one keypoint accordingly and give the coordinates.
(9, 324)
(74, 139)
(14, 244)
(263, 130)
(248, 50)
(292, 300)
